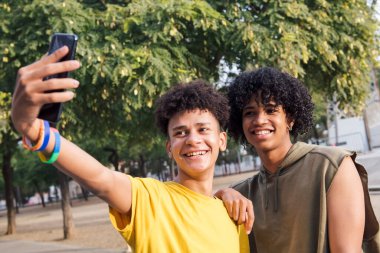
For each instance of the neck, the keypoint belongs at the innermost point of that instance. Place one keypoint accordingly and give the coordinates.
(272, 159)
(202, 185)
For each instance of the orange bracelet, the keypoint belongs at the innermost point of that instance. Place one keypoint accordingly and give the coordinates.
(27, 143)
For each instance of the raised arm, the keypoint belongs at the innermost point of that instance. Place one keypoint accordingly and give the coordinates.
(28, 98)
(345, 210)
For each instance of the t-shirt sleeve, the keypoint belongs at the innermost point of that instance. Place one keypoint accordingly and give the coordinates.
(145, 196)
(243, 240)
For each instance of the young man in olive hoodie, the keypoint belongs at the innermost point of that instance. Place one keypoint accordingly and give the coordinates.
(306, 198)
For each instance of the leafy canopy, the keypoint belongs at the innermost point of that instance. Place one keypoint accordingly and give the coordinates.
(133, 51)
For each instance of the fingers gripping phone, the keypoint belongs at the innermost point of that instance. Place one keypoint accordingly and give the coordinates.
(52, 112)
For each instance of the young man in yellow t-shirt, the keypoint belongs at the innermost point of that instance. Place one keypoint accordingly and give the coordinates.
(152, 216)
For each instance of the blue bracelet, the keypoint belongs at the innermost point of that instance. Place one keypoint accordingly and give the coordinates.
(57, 149)
(46, 136)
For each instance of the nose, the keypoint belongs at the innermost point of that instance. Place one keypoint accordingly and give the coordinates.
(193, 138)
(261, 118)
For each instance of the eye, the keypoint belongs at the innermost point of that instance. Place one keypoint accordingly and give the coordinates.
(249, 113)
(271, 110)
(204, 129)
(179, 133)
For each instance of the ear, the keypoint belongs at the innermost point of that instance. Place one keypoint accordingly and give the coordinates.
(289, 122)
(290, 125)
(222, 141)
(168, 147)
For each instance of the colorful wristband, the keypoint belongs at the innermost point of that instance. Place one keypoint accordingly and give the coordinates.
(46, 136)
(27, 143)
(57, 149)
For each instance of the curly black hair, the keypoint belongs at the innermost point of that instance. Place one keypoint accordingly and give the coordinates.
(197, 94)
(269, 84)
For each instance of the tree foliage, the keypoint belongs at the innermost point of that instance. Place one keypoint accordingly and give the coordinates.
(331, 45)
(30, 176)
(133, 51)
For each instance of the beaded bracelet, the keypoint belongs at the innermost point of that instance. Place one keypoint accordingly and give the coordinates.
(57, 149)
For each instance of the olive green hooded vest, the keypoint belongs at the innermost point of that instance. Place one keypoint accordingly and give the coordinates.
(290, 205)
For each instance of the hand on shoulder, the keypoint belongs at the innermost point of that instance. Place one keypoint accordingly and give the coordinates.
(239, 208)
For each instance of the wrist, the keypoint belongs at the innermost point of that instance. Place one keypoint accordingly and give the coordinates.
(32, 130)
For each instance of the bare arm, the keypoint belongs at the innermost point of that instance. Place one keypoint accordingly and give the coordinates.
(28, 98)
(345, 210)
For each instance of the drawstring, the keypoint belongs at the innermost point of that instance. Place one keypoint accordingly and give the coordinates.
(266, 191)
(276, 190)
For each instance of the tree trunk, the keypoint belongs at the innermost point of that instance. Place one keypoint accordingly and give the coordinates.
(113, 158)
(38, 189)
(18, 199)
(9, 195)
(68, 222)
(142, 166)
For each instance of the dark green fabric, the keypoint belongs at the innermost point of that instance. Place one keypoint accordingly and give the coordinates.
(290, 205)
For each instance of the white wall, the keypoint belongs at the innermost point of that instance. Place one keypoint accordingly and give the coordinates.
(351, 131)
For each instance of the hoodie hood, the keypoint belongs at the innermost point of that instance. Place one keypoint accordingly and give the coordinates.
(295, 153)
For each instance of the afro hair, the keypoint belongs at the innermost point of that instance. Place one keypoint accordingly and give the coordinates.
(270, 85)
(197, 94)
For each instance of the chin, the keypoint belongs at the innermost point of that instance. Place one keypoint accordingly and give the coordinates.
(261, 147)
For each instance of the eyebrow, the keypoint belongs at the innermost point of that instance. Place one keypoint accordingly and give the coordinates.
(271, 104)
(181, 127)
(249, 107)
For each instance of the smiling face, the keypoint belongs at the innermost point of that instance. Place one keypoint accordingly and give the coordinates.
(266, 127)
(194, 142)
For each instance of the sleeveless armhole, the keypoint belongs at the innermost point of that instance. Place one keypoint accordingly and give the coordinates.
(371, 237)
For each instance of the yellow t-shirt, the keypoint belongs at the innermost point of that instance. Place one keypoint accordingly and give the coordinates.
(168, 217)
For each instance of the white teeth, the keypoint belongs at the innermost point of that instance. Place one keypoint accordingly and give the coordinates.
(196, 153)
(262, 132)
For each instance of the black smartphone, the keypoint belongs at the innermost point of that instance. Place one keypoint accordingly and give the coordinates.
(52, 112)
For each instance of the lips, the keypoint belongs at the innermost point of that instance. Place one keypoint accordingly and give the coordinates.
(195, 153)
(262, 132)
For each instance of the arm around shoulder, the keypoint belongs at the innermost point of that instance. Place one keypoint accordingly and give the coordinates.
(239, 208)
(345, 209)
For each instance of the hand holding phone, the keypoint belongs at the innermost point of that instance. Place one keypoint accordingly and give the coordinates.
(51, 112)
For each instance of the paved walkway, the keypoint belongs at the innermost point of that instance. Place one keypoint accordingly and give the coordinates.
(21, 246)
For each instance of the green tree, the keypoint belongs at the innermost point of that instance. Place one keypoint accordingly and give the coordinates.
(331, 45)
(8, 140)
(31, 177)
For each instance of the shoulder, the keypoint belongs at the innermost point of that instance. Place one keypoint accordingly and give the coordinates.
(334, 155)
(145, 181)
(149, 186)
(244, 186)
